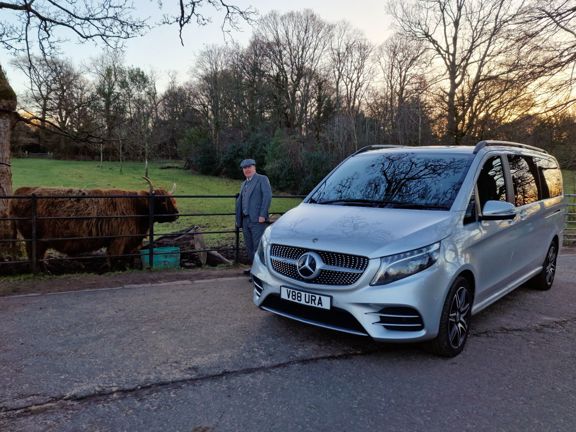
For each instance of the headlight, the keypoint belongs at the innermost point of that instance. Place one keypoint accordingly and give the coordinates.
(262, 246)
(399, 266)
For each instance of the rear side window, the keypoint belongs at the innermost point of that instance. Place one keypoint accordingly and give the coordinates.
(550, 178)
(524, 179)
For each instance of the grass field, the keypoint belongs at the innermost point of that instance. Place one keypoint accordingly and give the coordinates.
(82, 174)
(569, 181)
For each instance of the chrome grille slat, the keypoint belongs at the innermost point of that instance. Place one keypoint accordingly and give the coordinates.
(398, 325)
(339, 269)
(394, 316)
(257, 285)
(399, 318)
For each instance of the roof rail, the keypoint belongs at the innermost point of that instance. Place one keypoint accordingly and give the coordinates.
(486, 143)
(375, 147)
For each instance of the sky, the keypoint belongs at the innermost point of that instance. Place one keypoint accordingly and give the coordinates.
(160, 50)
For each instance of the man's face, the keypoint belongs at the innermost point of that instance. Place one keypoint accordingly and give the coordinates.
(249, 171)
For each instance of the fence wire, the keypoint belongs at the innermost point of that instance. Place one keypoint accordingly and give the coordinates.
(570, 230)
(42, 225)
(218, 225)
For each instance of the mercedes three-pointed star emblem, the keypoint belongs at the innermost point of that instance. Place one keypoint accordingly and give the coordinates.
(309, 265)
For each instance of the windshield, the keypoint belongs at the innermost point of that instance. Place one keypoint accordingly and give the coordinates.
(400, 180)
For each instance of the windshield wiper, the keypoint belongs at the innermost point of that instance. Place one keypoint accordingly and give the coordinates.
(408, 205)
(353, 202)
(379, 203)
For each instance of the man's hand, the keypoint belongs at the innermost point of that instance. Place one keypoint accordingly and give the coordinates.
(261, 219)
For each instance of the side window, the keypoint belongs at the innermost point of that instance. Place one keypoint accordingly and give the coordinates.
(550, 178)
(491, 184)
(524, 179)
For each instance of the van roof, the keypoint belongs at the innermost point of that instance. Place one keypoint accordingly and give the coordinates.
(453, 148)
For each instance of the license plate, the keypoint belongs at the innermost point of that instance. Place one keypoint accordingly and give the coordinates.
(306, 298)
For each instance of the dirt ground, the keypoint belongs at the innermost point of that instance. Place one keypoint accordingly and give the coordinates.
(29, 284)
(44, 283)
(62, 274)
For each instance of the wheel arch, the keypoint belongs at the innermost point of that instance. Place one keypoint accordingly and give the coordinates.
(469, 276)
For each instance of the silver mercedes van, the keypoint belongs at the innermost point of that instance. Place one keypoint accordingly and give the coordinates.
(405, 244)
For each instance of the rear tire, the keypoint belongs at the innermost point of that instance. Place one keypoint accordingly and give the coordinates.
(455, 320)
(543, 281)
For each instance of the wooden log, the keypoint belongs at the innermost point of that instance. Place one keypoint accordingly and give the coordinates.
(214, 258)
(199, 244)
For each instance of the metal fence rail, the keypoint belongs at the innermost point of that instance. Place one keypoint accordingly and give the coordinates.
(570, 230)
(219, 224)
(229, 232)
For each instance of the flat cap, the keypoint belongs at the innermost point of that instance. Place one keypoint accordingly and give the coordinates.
(247, 162)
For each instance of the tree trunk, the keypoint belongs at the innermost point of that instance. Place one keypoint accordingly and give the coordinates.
(7, 116)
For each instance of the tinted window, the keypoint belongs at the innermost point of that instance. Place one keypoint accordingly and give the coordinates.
(491, 183)
(550, 178)
(524, 178)
(402, 180)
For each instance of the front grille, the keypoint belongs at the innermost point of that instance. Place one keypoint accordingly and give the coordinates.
(335, 259)
(345, 269)
(400, 318)
(337, 319)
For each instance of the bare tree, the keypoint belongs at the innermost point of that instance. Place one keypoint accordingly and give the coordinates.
(251, 65)
(108, 70)
(352, 70)
(404, 64)
(176, 115)
(41, 81)
(212, 75)
(57, 90)
(40, 23)
(139, 106)
(191, 11)
(552, 24)
(28, 26)
(296, 43)
(473, 43)
(555, 22)
(350, 55)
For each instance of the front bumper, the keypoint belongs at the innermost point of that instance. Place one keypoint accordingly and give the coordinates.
(407, 310)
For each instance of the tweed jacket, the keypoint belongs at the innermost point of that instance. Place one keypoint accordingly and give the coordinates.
(259, 196)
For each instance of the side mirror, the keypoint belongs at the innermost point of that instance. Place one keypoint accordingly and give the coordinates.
(498, 210)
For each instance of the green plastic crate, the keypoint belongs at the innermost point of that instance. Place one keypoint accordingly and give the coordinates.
(164, 257)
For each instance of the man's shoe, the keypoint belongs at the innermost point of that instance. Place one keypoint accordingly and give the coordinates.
(247, 272)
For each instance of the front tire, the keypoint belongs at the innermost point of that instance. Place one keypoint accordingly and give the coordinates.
(543, 281)
(455, 320)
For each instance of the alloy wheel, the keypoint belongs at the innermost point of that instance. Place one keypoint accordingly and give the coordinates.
(550, 266)
(458, 318)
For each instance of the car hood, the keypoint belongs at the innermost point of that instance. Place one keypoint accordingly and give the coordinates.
(370, 232)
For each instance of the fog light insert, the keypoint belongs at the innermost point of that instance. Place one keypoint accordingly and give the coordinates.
(258, 285)
(400, 318)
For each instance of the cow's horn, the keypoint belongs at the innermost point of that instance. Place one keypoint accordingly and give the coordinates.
(173, 188)
(149, 183)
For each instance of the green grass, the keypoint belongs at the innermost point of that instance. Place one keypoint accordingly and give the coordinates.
(82, 174)
(88, 175)
(569, 178)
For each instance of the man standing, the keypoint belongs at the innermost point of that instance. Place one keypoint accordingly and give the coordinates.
(252, 206)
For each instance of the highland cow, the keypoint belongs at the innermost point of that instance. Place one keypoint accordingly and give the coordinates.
(74, 224)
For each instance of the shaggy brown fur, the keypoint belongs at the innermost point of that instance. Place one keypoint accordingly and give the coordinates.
(107, 232)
